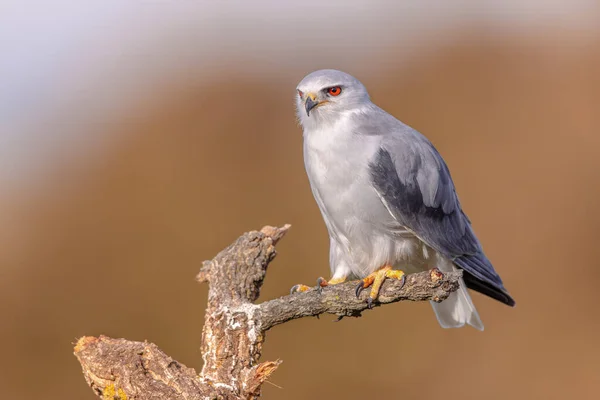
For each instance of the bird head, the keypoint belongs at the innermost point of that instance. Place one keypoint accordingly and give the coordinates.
(322, 95)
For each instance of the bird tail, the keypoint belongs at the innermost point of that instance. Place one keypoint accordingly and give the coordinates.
(458, 309)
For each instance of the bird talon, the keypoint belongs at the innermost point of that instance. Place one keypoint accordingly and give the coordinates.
(321, 283)
(375, 280)
(359, 288)
(403, 281)
(299, 288)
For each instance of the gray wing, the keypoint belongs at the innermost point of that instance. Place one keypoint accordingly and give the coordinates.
(415, 184)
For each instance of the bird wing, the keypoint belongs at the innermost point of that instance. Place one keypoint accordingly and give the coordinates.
(415, 185)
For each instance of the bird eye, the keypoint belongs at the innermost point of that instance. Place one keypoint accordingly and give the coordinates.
(300, 93)
(334, 91)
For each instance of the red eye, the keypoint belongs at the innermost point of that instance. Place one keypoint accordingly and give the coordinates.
(334, 91)
(300, 93)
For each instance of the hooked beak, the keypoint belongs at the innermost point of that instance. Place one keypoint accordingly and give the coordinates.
(310, 103)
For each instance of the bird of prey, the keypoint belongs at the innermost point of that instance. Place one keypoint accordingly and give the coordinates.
(387, 198)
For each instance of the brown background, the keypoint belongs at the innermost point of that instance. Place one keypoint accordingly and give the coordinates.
(112, 246)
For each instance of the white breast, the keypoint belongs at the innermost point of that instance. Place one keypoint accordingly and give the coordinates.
(337, 164)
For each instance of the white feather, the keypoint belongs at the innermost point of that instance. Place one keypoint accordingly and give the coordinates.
(458, 309)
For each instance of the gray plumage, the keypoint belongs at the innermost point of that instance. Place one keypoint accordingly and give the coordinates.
(386, 195)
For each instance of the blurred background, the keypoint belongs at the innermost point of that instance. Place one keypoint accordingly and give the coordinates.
(138, 139)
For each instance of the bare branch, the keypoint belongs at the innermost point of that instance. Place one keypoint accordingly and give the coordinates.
(340, 299)
(234, 328)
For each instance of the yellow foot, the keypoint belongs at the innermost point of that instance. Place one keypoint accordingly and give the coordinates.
(299, 288)
(321, 283)
(375, 280)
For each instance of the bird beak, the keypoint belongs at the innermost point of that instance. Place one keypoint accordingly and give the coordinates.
(310, 103)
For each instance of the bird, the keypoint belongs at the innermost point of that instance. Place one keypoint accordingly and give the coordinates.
(387, 199)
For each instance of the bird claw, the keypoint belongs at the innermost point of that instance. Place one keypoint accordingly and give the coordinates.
(375, 280)
(403, 281)
(299, 288)
(359, 288)
(321, 283)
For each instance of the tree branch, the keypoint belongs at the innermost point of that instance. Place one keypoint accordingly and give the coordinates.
(234, 328)
(340, 299)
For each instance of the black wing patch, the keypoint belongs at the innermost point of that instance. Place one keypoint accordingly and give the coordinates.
(424, 200)
(441, 224)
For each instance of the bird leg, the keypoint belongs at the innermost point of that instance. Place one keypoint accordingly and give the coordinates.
(321, 283)
(375, 280)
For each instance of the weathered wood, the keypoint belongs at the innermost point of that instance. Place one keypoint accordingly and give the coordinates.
(340, 299)
(122, 369)
(234, 328)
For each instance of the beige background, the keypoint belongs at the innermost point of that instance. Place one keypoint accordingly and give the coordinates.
(109, 243)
